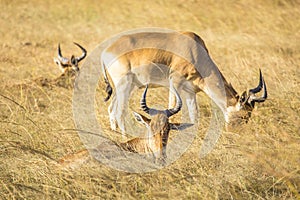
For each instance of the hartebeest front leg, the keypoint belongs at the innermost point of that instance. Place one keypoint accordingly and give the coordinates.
(191, 106)
(186, 91)
(123, 91)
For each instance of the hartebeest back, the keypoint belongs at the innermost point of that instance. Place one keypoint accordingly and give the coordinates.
(136, 66)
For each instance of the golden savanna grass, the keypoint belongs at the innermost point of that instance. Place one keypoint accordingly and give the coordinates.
(259, 160)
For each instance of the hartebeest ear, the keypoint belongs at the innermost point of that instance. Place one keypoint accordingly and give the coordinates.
(243, 97)
(73, 60)
(56, 61)
(60, 65)
(74, 63)
(141, 119)
(180, 127)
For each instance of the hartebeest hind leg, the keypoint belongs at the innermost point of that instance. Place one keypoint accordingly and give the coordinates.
(119, 106)
(111, 111)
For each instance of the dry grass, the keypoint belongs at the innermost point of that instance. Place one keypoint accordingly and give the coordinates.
(259, 161)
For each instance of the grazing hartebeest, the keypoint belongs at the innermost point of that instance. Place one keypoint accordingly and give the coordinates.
(141, 58)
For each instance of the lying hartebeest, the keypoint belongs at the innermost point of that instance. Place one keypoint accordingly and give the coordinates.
(157, 57)
(158, 127)
(69, 68)
(66, 64)
(152, 143)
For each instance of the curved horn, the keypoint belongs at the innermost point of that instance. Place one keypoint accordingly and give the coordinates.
(178, 106)
(261, 85)
(263, 97)
(83, 52)
(62, 59)
(143, 101)
(144, 106)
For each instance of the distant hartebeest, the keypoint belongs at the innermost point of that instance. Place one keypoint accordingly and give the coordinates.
(66, 64)
(69, 68)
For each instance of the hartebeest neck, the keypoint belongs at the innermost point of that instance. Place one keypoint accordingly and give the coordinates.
(216, 86)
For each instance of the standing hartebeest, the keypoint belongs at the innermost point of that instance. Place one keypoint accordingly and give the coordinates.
(155, 57)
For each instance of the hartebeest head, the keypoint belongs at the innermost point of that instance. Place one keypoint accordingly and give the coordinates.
(158, 128)
(241, 111)
(66, 64)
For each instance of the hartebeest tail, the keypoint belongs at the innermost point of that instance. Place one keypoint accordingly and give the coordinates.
(108, 89)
